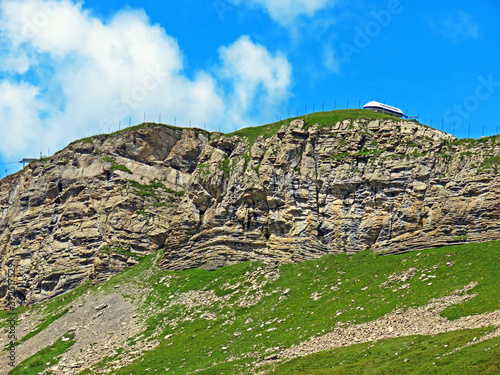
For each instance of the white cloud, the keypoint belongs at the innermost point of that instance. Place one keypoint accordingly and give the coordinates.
(252, 70)
(456, 27)
(20, 124)
(330, 59)
(13, 59)
(96, 73)
(286, 11)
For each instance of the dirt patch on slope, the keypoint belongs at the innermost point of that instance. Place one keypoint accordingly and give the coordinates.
(101, 325)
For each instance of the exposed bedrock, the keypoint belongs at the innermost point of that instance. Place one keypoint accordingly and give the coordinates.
(209, 200)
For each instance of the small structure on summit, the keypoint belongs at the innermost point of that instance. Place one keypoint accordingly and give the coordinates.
(23, 161)
(379, 107)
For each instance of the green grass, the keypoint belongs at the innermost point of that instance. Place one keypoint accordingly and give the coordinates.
(45, 358)
(405, 355)
(224, 165)
(340, 279)
(5, 315)
(491, 162)
(151, 190)
(328, 119)
(132, 129)
(343, 155)
(115, 166)
(204, 169)
(324, 119)
(51, 310)
(109, 160)
(252, 133)
(120, 167)
(117, 249)
(287, 314)
(47, 322)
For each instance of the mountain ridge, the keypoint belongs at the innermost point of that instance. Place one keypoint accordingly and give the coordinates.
(333, 182)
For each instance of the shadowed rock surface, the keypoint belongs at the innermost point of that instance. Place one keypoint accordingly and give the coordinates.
(210, 200)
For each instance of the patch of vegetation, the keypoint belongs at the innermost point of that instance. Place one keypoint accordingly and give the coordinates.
(460, 238)
(417, 154)
(160, 204)
(466, 154)
(328, 119)
(491, 162)
(343, 155)
(404, 355)
(225, 167)
(367, 152)
(51, 310)
(150, 190)
(115, 166)
(324, 119)
(446, 156)
(47, 322)
(120, 167)
(204, 169)
(266, 131)
(363, 151)
(45, 358)
(467, 141)
(89, 140)
(471, 142)
(116, 248)
(247, 159)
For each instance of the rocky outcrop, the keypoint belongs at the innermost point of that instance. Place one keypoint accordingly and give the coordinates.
(297, 193)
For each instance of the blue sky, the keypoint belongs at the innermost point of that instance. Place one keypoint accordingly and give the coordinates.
(72, 69)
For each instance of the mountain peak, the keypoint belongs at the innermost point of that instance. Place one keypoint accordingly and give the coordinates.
(329, 182)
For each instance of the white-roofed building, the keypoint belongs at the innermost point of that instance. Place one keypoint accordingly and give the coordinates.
(379, 107)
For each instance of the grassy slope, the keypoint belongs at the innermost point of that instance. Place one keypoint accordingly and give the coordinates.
(405, 355)
(46, 357)
(325, 119)
(241, 335)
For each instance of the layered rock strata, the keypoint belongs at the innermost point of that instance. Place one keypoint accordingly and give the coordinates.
(209, 200)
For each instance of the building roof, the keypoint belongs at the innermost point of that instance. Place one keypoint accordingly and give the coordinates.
(384, 107)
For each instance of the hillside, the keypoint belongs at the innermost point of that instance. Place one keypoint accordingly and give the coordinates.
(432, 311)
(329, 183)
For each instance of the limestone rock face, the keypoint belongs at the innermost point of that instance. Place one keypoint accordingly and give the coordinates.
(209, 200)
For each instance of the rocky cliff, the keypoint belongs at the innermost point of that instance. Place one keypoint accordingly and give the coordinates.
(283, 192)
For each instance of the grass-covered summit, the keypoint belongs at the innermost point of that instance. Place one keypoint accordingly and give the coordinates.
(324, 119)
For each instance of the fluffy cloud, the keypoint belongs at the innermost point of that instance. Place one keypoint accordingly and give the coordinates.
(20, 124)
(86, 75)
(286, 11)
(253, 70)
